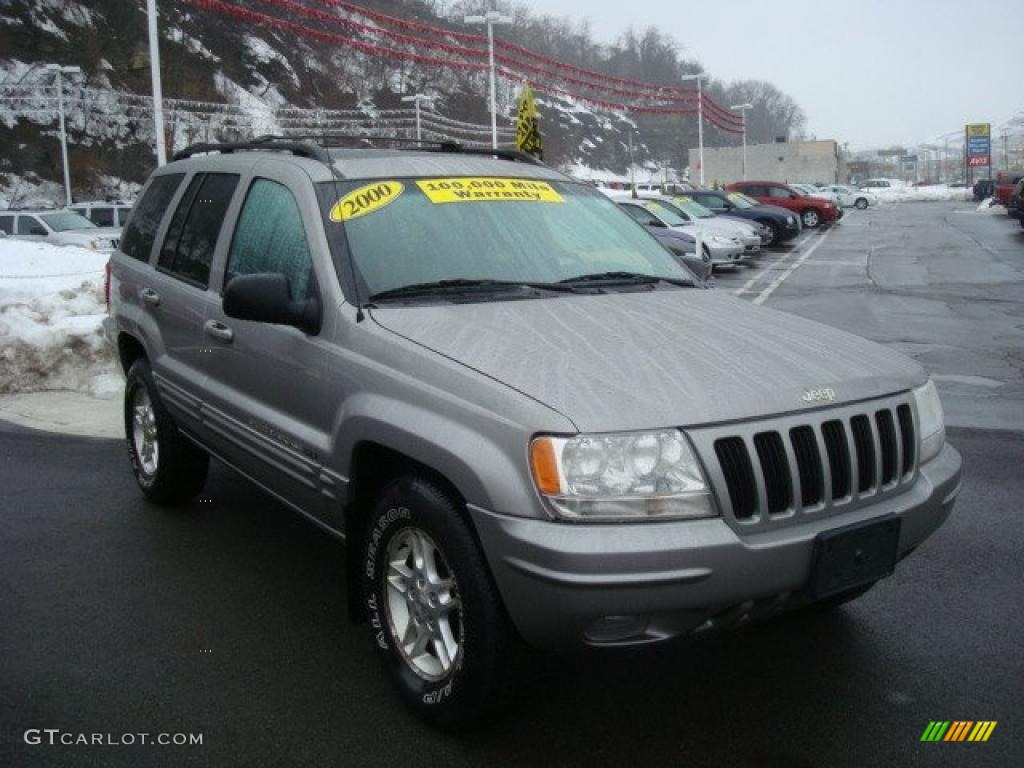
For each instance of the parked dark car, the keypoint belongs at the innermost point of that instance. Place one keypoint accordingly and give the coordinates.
(813, 211)
(682, 244)
(983, 188)
(782, 224)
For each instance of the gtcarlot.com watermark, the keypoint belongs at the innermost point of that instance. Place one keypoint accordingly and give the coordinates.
(55, 737)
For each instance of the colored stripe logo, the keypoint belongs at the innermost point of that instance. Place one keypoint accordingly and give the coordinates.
(958, 730)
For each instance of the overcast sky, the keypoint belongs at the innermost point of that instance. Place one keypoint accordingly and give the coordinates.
(869, 72)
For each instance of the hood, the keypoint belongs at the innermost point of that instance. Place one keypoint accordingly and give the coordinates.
(730, 227)
(776, 209)
(654, 359)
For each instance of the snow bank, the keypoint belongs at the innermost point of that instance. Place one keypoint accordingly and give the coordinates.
(51, 308)
(905, 193)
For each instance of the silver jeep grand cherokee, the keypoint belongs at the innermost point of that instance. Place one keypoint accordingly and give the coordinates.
(510, 402)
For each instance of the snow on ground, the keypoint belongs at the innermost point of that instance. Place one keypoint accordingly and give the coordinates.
(51, 308)
(901, 192)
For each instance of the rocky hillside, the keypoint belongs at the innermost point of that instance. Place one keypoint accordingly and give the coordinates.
(271, 78)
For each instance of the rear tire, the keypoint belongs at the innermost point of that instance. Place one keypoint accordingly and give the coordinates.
(810, 218)
(438, 623)
(169, 468)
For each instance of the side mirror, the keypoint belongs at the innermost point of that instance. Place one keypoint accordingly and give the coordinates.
(265, 298)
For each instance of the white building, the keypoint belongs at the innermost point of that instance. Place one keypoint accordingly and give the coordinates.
(797, 161)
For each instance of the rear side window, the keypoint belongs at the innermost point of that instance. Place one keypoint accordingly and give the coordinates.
(187, 250)
(29, 225)
(141, 232)
(270, 238)
(103, 217)
(7, 224)
(778, 192)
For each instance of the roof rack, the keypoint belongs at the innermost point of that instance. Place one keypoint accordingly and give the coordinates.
(315, 146)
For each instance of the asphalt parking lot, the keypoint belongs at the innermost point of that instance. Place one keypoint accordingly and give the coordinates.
(226, 618)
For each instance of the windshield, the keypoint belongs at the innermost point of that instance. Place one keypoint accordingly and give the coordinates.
(741, 200)
(60, 222)
(406, 232)
(667, 212)
(692, 207)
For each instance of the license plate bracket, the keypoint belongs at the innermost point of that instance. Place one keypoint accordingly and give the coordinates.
(853, 556)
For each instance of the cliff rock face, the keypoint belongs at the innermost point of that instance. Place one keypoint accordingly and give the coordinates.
(227, 78)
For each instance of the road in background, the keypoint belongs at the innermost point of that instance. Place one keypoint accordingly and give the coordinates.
(940, 282)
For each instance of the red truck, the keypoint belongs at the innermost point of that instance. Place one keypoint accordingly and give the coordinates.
(1004, 187)
(813, 210)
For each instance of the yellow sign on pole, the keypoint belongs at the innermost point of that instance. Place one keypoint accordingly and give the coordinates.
(979, 129)
(527, 129)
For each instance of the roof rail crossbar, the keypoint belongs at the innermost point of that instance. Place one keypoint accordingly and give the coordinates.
(265, 143)
(329, 139)
(315, 146)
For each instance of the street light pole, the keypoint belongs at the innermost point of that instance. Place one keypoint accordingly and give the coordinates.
(61, 71)
(490, 19)
(154, 72)
(417, 98)
(700, 122)
(742, 108)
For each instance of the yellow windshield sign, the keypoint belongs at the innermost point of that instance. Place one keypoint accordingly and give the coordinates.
(367, 199)
(684, 199)
(468, 189)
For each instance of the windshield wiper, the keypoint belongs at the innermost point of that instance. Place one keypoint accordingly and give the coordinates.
(462, 284)
(627, 278)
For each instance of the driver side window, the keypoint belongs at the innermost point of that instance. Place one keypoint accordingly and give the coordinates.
(270, 238)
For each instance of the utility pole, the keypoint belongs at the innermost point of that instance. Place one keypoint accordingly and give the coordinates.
(417, 98)
(61, 71)
(742, 109)
(154, 72)
(490, 19)
(700, 122)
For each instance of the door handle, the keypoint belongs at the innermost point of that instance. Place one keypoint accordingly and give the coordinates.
(149, 296)
(219, 330)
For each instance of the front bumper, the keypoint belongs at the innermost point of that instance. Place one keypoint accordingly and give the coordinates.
(724, 254)
(559, 580)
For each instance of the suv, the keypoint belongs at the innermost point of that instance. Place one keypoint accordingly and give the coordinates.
(59, 227)
(813, 211)
(510, 403)
(104, 214)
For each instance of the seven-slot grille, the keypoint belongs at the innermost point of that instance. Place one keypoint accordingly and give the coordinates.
(818, 461)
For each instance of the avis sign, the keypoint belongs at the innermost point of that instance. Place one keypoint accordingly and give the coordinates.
(978, 137)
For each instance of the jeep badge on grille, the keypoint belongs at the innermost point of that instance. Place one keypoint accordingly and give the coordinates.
(822, 394)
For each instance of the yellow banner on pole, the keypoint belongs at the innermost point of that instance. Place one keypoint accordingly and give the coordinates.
(527, 128)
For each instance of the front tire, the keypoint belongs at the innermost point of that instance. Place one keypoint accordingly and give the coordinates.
(438, 624)
(860, 204)
(810, 218)
(169, 469)
(773, 236)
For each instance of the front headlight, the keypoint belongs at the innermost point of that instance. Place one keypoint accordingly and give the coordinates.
(622, 476)
(931, 422)
(718, 239)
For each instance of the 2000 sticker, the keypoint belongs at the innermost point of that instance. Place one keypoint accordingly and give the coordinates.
(367, 199)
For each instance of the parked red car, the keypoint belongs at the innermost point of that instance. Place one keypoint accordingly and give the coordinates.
(813, 210)
(1004, 186)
